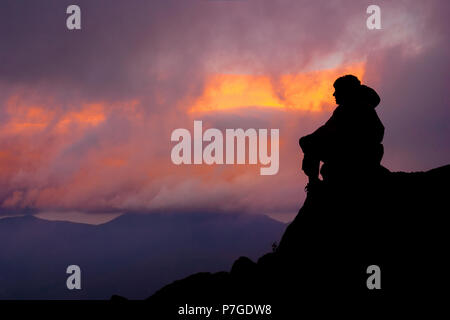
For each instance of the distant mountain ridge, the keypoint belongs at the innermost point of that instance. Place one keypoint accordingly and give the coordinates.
(133, 255)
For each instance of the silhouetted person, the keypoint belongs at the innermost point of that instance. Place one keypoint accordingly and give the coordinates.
(349, 143)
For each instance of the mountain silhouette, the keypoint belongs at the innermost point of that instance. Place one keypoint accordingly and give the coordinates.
(132, 255)
(396, 222)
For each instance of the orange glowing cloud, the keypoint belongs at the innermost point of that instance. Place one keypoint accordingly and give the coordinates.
(25, 117)
(32, 133)
(308, 91)
(28, 118)
(92, 115)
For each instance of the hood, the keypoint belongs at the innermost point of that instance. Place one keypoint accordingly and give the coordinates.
(369, 96)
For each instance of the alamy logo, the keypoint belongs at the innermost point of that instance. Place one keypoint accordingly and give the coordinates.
(214, 152)
(73, 21)
(374, 280)
(74, 280)
(374, 20)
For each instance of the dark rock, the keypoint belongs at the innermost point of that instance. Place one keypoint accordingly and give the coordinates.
(396, 221)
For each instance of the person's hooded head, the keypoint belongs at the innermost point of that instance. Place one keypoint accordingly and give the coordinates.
(346, 89)
(368, 96)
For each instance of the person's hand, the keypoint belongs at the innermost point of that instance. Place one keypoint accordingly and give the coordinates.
(310, 166)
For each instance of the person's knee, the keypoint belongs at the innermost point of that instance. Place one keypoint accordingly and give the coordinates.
(301, 142)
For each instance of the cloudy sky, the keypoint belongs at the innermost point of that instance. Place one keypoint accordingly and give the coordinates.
(86, 116)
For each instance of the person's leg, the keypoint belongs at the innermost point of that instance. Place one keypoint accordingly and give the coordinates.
(310, 166)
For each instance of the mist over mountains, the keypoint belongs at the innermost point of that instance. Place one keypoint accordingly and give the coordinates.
(133, 255)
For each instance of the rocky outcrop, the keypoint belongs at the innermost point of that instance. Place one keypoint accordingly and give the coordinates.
(396, 221)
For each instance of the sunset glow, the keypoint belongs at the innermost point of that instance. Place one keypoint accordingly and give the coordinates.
(308, 91)
(86, 120)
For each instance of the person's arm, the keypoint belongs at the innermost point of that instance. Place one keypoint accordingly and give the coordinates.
(314, 143)
(314, 147)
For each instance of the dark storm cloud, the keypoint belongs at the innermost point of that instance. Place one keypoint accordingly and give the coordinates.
(125, 47)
